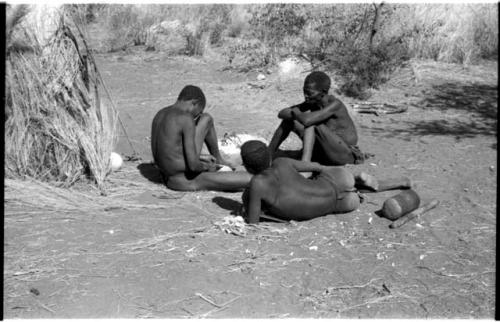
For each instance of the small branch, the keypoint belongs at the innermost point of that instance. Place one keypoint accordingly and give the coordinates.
(219, 307)
(45, 307)
(375, 23)
(352, 286)
(455, 275)
(208, 300)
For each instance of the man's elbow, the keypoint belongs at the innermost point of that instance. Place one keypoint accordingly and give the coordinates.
(195, 166)
(283, 115)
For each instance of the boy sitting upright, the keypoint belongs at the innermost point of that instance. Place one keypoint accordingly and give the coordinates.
(322, 122)
(178, 133)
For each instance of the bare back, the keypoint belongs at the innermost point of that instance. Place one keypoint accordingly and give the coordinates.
(167, 140)
(341, 122)
(290, 196)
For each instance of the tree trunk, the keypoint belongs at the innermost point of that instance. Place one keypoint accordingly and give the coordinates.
(375, 24)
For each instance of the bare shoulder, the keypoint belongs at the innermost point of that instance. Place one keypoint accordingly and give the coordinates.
(335, 101)
(260, 183)
(177, 116)
(163, 110)
(279, 162)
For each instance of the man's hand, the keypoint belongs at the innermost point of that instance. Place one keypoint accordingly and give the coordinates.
(209, 163)
(299, 116)
(207, 158)
(288, 113)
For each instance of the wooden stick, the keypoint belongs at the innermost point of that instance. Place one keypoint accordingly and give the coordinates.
(208, 300)
(414, 214)
(269, 217)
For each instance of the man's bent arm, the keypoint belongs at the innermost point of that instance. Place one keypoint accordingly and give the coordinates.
(302, 166)
(255, 198)
(286, 113)
(317, 117)
(193, 161)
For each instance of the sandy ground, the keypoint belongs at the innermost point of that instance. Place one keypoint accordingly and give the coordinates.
(160, 253)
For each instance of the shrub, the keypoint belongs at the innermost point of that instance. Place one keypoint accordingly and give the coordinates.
(354, 43)
(453, 33)
(247, 54)
(278, 25)
(235, 29)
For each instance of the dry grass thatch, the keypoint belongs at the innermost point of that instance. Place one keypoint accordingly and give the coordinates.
(56, 129)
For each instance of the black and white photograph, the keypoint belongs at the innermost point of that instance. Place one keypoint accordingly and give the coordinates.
(259, 160)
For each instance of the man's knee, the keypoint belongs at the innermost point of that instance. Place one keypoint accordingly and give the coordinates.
(205, 120)
(350, 202)
(181, 183)
(343, 158)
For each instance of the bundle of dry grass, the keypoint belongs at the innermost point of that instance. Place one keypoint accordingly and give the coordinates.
(56, 129)
(45, 197)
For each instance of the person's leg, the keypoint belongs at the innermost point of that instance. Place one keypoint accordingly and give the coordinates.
(280, 135)
(308, 141)
(347, 199)
(334, 150)
(349, 202)
(366, 183)
(205, 133)
(215, 181)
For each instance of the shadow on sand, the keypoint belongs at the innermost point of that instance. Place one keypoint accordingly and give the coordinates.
(150, 172)
(227, 204)
(478, 101)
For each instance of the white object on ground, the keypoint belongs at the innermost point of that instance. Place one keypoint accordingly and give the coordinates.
(225, 168)
(288, 65)
(116, 161)
(233, 225)
(261, 77)
(231, 143)
(293, 67)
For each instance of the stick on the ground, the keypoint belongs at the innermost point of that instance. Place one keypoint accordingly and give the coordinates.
(208, 300)
(414, 214)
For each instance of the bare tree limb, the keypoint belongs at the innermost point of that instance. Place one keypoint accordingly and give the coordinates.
(375, 24)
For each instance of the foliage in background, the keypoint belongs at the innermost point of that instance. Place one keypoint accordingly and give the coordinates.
(361, 43)
(353, 44)
(126, 25)
(277, 25)
(247, 54)
(453, 33)
(123, 25)
(339, 38)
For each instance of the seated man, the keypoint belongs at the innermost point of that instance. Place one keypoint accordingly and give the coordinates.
(177, 137)
(322, 122)
(280, 191)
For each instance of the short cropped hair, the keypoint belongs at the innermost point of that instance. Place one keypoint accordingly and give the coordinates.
(191, 92)
(255, 156)
(320, 79)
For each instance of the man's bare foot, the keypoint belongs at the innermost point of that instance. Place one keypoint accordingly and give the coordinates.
(367, 181)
